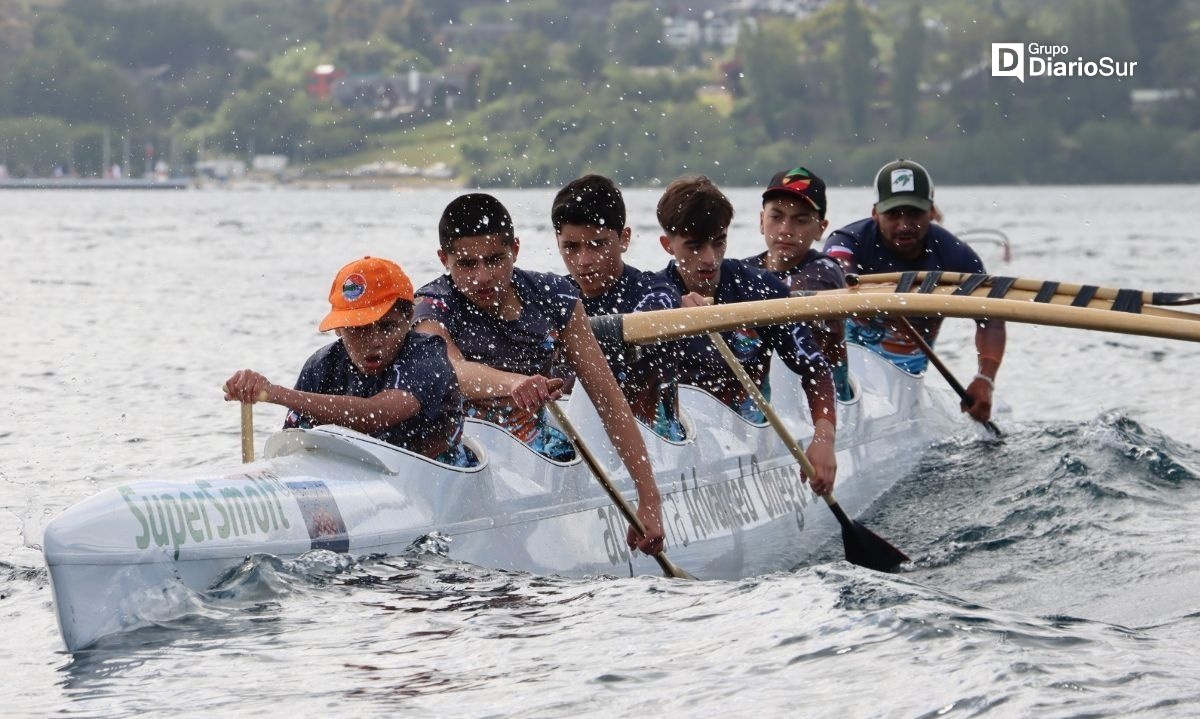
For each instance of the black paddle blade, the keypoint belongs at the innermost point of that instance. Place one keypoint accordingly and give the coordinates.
(866, 548)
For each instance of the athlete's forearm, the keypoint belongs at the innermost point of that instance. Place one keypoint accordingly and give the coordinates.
(990, 339)
(479, 381)
(362, 414)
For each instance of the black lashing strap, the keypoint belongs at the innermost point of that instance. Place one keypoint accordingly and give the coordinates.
(1001, 286)
(1128, 301)
(972, 283)
(1085, 296)
(930, 283)
(1047, 292)
(609, 331)
(905, 283)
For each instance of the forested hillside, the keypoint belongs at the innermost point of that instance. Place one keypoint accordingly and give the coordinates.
(534, 92)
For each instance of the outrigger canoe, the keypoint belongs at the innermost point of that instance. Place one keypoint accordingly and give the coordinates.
(734, 502)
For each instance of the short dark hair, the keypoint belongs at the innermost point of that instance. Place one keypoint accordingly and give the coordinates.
(592, 200)
(694, 207)
(472, 215)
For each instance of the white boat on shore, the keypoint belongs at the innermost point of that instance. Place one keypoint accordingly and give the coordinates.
(734, 504)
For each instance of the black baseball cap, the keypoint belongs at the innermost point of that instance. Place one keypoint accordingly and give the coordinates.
(903, 183)
(799, 182)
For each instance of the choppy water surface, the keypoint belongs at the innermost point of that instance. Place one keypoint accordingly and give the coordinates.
(1055, 574)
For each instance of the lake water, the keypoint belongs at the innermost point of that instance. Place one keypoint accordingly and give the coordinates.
(1055, 573)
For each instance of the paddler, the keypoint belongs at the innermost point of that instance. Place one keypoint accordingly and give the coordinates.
(791, 221)
(378, 377)
(588, 216)
(899, 236)
(506, 328)
(695, 217)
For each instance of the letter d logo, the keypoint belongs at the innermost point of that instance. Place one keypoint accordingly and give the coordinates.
(1008, 60)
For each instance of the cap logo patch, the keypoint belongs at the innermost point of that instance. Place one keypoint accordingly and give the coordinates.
(796, 175)
(902, 180)
(354, 287)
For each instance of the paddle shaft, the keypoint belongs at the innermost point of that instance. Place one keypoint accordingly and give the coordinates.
(941, 367)
(247, 432)
(863, 547)
(669, 568)
(776, 422)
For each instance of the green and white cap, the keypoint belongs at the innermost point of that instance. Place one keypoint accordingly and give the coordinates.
(903, 183)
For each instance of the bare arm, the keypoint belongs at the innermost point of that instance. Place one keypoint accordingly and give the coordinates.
(363, 414)
(818, 388)
(477, 380)
(991, 336)
(585, 356)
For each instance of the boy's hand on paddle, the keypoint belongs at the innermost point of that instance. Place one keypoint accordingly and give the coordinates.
(246, 386)
(824, 459)
(979, 393)
(532, 392)
(652, 542)
(693, 299)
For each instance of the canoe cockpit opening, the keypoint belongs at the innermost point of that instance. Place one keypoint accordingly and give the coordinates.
(855, 390)
(476, 454)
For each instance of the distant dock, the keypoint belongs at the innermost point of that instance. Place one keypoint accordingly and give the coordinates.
(91, 183)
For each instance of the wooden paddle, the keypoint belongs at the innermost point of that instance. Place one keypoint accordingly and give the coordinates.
(863, 547)
(669, 568)
(661, 325)
(247, 433)
(941, 367)
(247, 426)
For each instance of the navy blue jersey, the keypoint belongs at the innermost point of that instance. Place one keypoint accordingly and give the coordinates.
(636, 291)
(817, 271)
(421, 368)
(528, 345)
(700, 364)
(860, 246)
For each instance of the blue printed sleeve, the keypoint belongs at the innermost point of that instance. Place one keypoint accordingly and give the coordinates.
(425, 372)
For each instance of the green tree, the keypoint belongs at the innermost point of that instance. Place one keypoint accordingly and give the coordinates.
(588, 57)
(176, 35)
(410, 24)
(351, 20)
(273, 118)
(33, 146)
(856, 59)
(520, 64)
(1153, 24)
(775, 81)
(1095, 28)
(1179, 63)
(906, 73)
(59, 82)
(16, 31)
(636, 31)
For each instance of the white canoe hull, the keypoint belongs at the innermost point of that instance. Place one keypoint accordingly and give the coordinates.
(733, 502)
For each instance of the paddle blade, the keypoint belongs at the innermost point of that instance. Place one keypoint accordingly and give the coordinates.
(867, 549)
(671, 569)
(864, 547)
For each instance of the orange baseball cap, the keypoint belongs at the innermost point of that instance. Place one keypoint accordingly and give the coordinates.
(364, 291)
